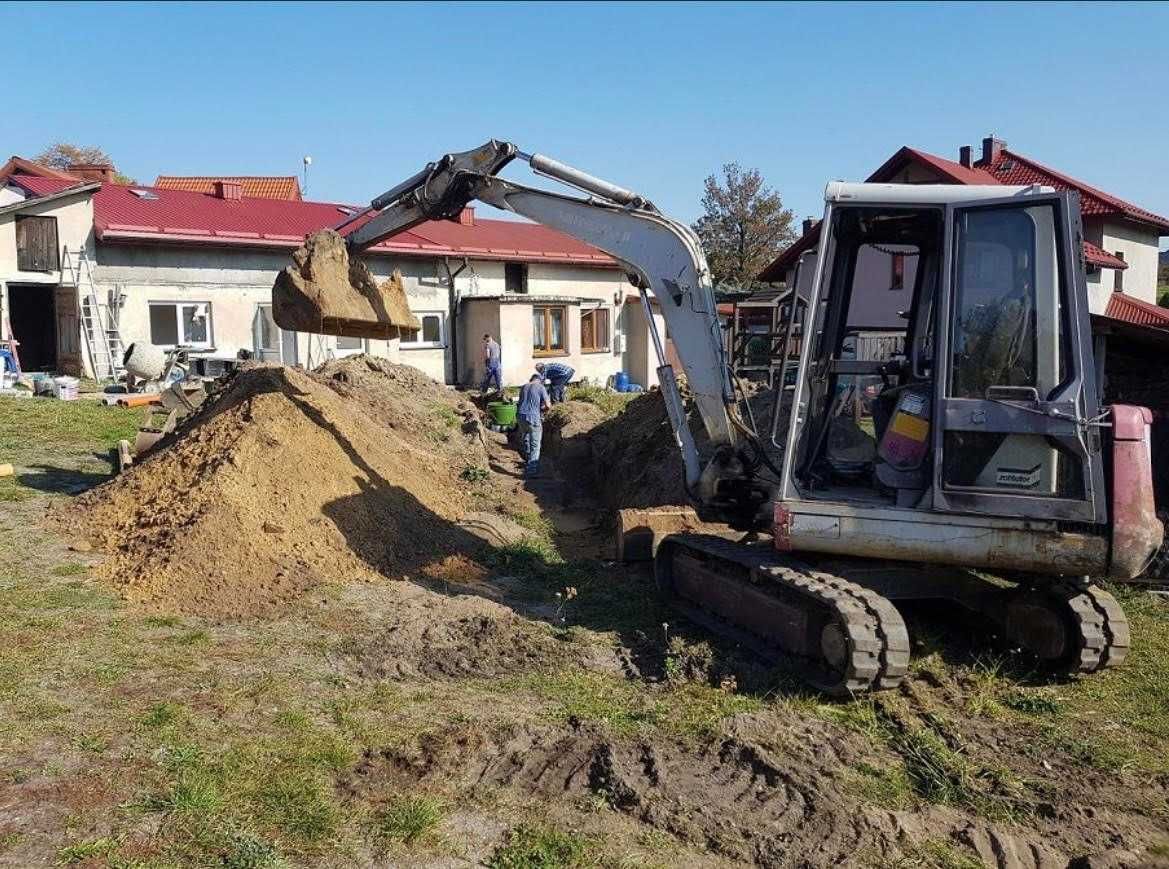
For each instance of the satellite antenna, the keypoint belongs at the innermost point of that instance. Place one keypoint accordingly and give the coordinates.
(307, 161)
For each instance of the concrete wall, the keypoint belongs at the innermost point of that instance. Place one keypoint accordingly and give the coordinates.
(640, 359)
(477, 318)
(874, 305)
(1140, 248)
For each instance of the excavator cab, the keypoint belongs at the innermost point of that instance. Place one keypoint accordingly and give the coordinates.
(949, 382)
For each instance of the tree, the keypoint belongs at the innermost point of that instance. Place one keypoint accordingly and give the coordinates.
(62, 155)
(744, 228)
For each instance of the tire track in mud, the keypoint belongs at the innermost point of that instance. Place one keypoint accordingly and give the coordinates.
(732, 797)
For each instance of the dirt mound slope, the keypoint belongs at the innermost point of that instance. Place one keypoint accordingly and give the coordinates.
(438, 636)
(412, 405)
(636, 460)
(277, 485)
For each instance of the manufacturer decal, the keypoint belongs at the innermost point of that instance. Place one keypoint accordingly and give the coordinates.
(1019, 478)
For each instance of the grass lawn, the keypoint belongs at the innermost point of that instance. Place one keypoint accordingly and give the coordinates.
(148, 739)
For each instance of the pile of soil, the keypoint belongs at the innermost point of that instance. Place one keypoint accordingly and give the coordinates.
(280, 483)
(412, 405)
(638, 464)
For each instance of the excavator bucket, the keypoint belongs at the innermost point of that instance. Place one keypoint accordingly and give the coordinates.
(326, 292)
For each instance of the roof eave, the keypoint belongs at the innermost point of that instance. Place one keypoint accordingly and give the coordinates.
(127, 236)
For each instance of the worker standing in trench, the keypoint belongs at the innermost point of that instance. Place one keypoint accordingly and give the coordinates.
(558, 376)
(493, 362)
(533, 402)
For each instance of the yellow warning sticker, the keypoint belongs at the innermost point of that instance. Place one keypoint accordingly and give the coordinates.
(913, 427)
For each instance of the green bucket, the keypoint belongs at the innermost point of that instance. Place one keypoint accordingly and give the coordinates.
(502, 413)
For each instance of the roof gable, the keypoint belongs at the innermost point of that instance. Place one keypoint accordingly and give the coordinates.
(20, 166)
(950, 172)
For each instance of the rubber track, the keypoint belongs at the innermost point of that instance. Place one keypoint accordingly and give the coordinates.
(878, 641)
(1102, 624)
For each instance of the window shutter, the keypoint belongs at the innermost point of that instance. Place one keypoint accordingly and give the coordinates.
(36, 243)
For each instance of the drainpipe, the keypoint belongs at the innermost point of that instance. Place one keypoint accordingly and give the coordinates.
(453, 314)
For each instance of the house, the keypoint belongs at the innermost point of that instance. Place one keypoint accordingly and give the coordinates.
(193, 267)
(1121, 240)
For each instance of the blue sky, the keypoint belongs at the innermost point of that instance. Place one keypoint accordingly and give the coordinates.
(652, 96)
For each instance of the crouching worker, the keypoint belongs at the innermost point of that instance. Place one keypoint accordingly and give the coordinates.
(558, 376)
(533, 402)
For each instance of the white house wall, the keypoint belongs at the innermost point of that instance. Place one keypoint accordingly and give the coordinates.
(234, 282)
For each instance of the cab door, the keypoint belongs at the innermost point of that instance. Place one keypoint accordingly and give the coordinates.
(1015, 430)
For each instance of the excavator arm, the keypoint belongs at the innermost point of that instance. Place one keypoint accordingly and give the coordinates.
(661, 256)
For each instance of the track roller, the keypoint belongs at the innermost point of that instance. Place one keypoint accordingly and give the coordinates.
(841, 638)
(1070, 628)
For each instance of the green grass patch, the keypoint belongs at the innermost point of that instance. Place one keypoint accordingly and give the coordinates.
(474, 474)
(163, 714)
(444, 415)
(1119, 719)
(689, 710)
(69, 569)
(28, 426)
(539, 847)
(162, 621)
(887, 787)
(91, 849)
(534, 521)
(933, 854)
(408, 819)
(610, 403)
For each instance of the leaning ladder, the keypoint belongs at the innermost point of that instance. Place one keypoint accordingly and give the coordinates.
(99, 322)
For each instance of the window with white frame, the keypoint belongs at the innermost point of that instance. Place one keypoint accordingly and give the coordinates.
(432, 333)
(180, 323)
(349, 343)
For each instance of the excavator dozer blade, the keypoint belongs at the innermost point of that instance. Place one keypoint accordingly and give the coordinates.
(326, 292)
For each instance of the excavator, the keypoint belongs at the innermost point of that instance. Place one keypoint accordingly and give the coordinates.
(964, 459)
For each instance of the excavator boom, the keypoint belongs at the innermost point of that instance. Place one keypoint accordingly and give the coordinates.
(662, 256)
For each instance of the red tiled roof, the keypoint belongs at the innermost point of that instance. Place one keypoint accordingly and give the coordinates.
(1009, 169)
(1012, 168)
(1099, 257)
(1130, 310)
(954, 173)
(254, 186)
(180, 217)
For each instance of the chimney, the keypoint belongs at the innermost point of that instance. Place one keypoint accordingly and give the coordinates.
(992, 149)
(92, 171)
(467, 216)
(809, 222)
(231, 190)
(966, 156)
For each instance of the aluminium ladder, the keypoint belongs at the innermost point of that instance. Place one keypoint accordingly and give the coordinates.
(99, 321)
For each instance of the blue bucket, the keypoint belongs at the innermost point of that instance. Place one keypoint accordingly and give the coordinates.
(621, 382)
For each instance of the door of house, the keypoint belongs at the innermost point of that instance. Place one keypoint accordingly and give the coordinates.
(266, 338)
(66, 313)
